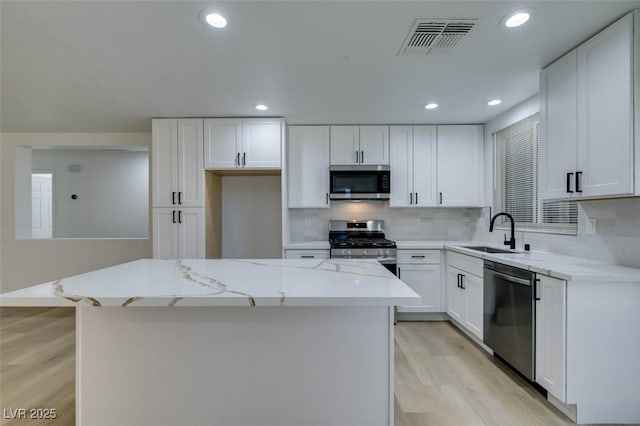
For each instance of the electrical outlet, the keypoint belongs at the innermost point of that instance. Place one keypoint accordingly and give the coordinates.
(590, 227)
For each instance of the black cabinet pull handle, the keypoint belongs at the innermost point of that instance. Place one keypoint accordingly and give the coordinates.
(307, 256)
(180, 216)
(238, 160)
(569, 175)
(458, 280)
(441, 198)
(411, 198)
(179, 197)
(173, 197)
(174, 216)
(535, 289)
(416, 198)
(462, 286)
(361, 157)
(415, 256)
(578, 182)
(398, 272)
(357, 157)
(327, 196)
(244, 159)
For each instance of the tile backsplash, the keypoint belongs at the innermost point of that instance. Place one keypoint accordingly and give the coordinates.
(400, 223)
(616, 240)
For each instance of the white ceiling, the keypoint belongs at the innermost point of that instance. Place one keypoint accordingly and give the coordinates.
(106, 66)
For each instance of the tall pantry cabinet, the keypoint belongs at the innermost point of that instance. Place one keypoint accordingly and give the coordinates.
(177, 185)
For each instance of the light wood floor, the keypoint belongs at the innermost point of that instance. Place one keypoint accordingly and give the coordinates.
(441, 377)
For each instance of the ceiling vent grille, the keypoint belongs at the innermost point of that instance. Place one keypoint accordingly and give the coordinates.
(429, 36)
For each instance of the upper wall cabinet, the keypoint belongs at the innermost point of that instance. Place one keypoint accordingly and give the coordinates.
(176, 155)
(460, 173)
(587, 118)
(251, 143)
(359, 145)
(413, 163)
(308, 166)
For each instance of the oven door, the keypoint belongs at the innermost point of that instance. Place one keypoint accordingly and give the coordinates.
(359, 183)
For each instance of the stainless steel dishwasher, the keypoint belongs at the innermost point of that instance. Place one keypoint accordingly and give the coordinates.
(509, 315)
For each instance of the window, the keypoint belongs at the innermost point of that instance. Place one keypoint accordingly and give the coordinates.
(516, 182)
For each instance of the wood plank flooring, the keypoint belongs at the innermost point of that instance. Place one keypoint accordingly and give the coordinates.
(442, 378)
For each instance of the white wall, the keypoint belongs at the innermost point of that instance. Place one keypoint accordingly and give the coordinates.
(112, 189)
(617, 237)
(251, 217)
(28, 262)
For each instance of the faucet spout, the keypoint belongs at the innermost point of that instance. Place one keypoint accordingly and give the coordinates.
(511, 242)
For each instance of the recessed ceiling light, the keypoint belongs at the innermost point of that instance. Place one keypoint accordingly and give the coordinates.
(261, 107)
(494, 102)
(431, 105)
(215, 20)
(515, 19)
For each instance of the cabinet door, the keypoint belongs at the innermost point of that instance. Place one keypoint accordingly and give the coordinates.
(308, 166)
(165, 233)
(455, 296)
(474, 304)
(460, 165)
(605, 114)
(401, 165)
(559, 127)
(424, 280)
(189, 158)
(374, 145)
(164, 165)
(425, 170)
(261, 143)
(345, 145)
(222, 143)
(191, 234)
(551, 328)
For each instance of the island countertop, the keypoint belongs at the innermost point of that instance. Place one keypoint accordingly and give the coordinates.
(224, 282)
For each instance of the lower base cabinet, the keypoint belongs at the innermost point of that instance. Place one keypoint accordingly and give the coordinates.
(465, 292)
(420, 270)
(551, 328)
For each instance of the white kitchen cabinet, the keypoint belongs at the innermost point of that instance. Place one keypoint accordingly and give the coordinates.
(465, 292)
(551, 329)
(413, 163)
(248, 143)
(176, 152)
(420, 270)
(587, 118)
(359, 145)
(306, 254)
(308, 166)
(459, 171)
(178, 233)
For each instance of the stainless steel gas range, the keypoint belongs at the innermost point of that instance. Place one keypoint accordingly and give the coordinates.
(362, 239)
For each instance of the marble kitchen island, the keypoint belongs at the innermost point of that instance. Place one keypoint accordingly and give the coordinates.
(231, 342)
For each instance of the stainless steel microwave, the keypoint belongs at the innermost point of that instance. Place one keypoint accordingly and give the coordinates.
(359, 182)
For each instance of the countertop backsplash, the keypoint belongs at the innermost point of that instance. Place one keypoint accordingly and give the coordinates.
(452, 224)
(617, 237)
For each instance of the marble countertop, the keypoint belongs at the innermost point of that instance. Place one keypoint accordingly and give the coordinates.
(228, 282)
(555, 265)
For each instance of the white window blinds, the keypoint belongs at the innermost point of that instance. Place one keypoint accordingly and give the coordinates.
(516, 181)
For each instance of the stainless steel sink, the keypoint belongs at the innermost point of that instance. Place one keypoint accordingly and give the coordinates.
(488, 249)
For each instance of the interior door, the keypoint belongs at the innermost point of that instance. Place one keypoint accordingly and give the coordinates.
(41, 205)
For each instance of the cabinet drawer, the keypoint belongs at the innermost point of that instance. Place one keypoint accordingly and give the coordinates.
(306, 254)
(470, 264)
(419, 256)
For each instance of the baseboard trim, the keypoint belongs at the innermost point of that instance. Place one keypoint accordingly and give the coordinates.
(569, 410)
(422, 316)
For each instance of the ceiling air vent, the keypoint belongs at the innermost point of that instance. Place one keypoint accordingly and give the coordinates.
(430, 36)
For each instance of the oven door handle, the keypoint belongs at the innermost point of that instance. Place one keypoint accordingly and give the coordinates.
(510, 278)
